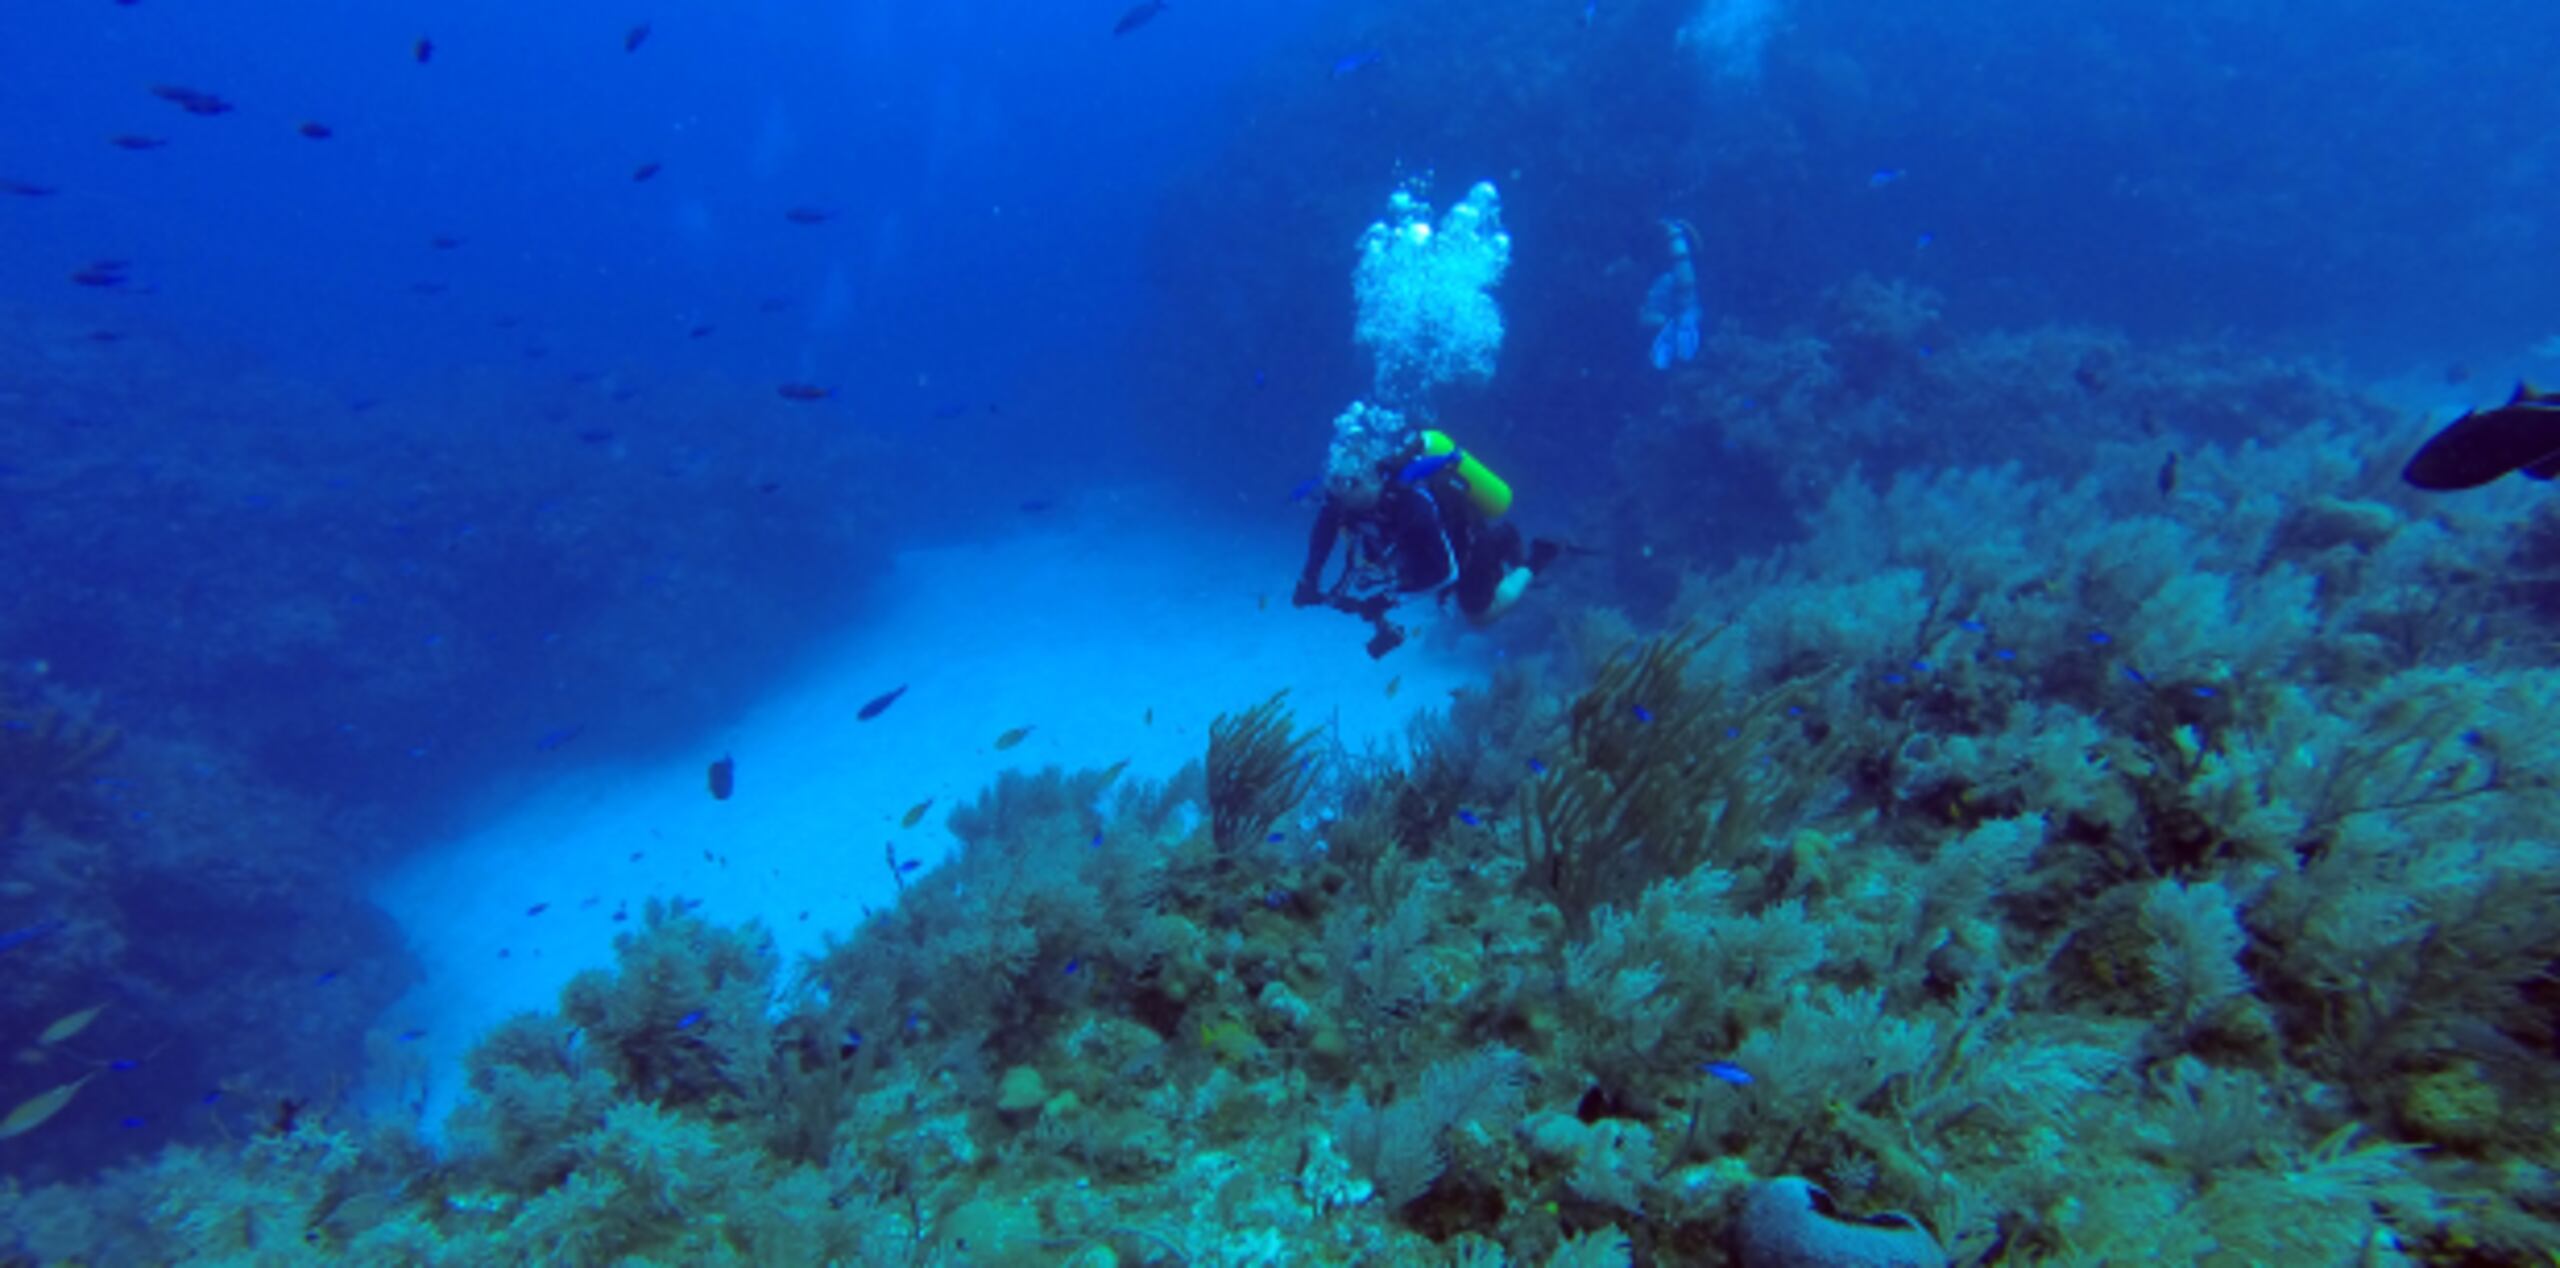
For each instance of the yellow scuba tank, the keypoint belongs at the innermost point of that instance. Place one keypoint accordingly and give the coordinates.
(1490, 493)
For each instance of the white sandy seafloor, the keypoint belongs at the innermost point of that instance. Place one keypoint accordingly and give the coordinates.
(1077, 628)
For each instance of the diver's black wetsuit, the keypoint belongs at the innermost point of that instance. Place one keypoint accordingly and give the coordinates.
(1413, 539)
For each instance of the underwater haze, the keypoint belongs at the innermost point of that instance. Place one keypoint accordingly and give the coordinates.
(1781, 633)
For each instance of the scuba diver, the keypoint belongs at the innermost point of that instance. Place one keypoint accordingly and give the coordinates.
(1426, 518)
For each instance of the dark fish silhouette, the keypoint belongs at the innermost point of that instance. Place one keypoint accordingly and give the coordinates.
(2168, 478)
(635, 37)
(136, 141)
(804, 392)
(1137, 17)
(2483, 445)
(724, 777)
(103, 273)
(644, 171)
(26, 189)
(808, 215)
(879, 704)
(424, 50)
(316, 130)
(191, 100)
(444, 242)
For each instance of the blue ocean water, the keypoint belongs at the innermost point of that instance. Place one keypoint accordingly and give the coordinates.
(433, 436)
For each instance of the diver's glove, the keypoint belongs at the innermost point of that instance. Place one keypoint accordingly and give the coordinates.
(1389, 637)
(1306, 595)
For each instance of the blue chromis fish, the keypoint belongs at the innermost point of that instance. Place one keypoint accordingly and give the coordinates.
(1354, 63)
(689, 1019)
(1429, 465)
(1306, 488)
(1727, 1071)
(1884, 176)
(724, 777)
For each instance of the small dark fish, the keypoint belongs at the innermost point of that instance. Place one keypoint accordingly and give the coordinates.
(537, 909)
(1421, 469)
(1468, 817)
(124, 1063)
(1074, 965)
(27, 189)
(1276, 838)
(635, 37)
(1642, 713)
(136, 141)
(699, 332)
(804, 392)
(106, 336)
(104, 273)
(724, 777)
(1012, 737)
(1035, 506)
(596, 436)
(1138, 16)
(1353, 63)
(1729, 1072)
(130, 1122)
(879, 704)
(192, 100)
(412, 1036)
(1306, 488)
(424, 50)
(909, 865)
(2168, 479)
(808, 215)
(2481, 446)
(316, 130)
(2100, 638)
(686, 1023)
(325, 978)
(915, 813)
(645, 171)
(444, 242)
(1537, 767)
(769, 486)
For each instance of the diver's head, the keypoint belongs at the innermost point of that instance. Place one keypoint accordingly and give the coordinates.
(1368, 442)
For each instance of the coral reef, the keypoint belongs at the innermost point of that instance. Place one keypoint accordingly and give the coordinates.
(2092, 872)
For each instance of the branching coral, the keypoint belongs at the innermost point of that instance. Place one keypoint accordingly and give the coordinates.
(1260, 766)
(1662, 776)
